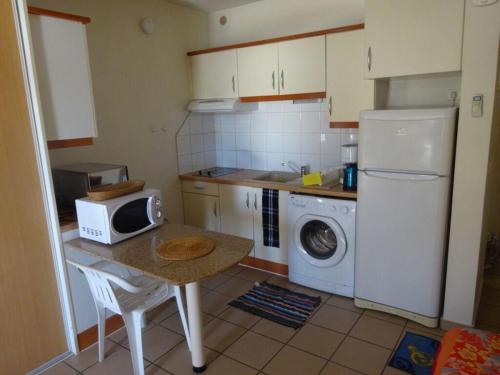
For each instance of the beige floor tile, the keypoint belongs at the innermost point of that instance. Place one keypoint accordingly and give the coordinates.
(235, 287)
(239, 317)
(387, 317)
(60, 369)
(393, 371)
(214, 303)
(377, 331)
(253, 275)
(361, 356)
(293, 361)
(89, 356)
(120, 362)
(226, 366)
(283, 282)
(335, 369)
(274, 330)
(432, 331)
(220, 334)
(335, 318)
(174, 323)
(163, 311)
(313, 293)
(234, 270)
(317, 340)
(253, 349)
(344, 303)
(178, 360)
(214, 281)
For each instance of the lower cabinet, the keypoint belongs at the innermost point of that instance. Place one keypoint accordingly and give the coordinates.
(202, 211)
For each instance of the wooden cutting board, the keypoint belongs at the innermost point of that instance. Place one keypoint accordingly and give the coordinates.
(186, 248)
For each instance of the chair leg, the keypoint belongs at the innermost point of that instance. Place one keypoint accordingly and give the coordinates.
(101, 329)
(133, 325)
(182, 313)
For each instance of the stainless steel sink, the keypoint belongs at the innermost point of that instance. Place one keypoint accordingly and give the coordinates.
(281, 177)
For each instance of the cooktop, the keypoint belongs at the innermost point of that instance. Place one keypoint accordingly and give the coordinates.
(216, 171)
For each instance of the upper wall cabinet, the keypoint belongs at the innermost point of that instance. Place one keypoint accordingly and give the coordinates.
(215, 75)
(347, 91)
(302, 65)
(258, 70)
(407, 37)
(63, 74)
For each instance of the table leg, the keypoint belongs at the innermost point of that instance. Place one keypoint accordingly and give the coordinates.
(195, 326)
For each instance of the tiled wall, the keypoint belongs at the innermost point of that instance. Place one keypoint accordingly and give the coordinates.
(277, 132)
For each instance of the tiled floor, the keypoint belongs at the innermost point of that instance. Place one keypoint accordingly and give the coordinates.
(338, 339)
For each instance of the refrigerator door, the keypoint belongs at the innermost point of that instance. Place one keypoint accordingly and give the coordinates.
(400, 240)
(416, 140)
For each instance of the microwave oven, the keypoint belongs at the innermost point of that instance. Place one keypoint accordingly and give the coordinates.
(117, 219)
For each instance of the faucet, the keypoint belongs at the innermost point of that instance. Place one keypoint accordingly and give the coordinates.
(295, 168)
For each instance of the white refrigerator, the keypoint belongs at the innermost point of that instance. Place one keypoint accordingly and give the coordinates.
(405, 163)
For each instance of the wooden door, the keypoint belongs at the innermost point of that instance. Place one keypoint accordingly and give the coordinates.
(258, 70)
(302, 65)
(348, 92)
(215, 75)
(202, 211)
(407, 37)
(31, 327)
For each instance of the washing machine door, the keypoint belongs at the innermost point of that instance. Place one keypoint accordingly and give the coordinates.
(320, 240)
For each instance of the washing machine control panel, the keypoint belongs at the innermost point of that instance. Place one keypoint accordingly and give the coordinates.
(315, 203)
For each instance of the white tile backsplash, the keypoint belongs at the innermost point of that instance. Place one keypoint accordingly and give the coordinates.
(277, 132)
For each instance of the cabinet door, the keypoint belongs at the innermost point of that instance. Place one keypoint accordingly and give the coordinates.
(258, 70)
(302, 65)
(236, 210)
(347, 91)
(406, 37)
(64, 81)
(202, 211)
(272, 254)
(215, 75)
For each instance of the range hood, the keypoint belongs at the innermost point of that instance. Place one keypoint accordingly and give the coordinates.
(221, 105)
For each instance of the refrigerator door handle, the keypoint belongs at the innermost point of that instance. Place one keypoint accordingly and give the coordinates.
(401, 176)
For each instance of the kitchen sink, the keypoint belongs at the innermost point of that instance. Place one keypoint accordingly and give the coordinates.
(281, 177)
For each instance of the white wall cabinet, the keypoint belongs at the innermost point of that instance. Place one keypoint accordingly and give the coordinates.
(348, 92)
(258, 70)
(408, 37)
(215, 75)
(64, 80)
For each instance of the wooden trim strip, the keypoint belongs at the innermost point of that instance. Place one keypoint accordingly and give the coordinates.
(344, 125)
(65, 143)
(266, 265)
(270, 98)
(89, 336)
(279, 39)
(56, 14)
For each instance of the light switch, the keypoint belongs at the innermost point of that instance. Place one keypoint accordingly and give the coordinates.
(477, 105)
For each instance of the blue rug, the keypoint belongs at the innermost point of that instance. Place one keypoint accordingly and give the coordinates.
(415, 354)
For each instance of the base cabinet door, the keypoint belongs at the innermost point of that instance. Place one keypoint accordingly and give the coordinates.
(202, 211)
(269, 253)
(236, 210)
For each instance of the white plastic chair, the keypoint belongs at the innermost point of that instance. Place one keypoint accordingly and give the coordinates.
(130, 297)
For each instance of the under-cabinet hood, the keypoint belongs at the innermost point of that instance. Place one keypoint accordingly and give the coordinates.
(221, 105)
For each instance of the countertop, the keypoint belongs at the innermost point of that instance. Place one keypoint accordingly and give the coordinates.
(245, 177)
(139, 253)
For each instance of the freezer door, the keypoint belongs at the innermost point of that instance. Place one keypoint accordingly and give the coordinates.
(401, 232)
(418, 141)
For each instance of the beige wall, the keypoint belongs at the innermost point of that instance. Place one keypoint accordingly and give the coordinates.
(467, 232)
(271, 18)
(140, 82)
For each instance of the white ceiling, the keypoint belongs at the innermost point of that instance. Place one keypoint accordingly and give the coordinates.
(212, 5)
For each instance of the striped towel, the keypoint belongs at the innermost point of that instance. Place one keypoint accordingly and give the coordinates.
(277, 304)
(270, 217)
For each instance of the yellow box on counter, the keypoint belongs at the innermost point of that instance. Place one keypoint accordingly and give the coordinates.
(312, 179)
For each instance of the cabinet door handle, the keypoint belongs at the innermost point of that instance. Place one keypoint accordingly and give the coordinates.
(369, 58)
(330, 106)
(234, 86)
(215, 208)
(273, 80)
(282, 79)
(255, 202)
(248, 200)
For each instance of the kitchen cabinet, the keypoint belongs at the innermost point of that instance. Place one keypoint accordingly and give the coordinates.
(201, 204)
(348, 92)
(63, 75)
(258, 70)
(215, 75)
(407, 37)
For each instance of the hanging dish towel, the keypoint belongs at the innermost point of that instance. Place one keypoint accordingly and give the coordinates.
(270, 217)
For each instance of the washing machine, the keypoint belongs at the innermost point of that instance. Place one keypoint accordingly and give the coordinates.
(321, 243)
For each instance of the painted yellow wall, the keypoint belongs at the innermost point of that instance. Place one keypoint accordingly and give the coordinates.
(467, 229)
(140, 82)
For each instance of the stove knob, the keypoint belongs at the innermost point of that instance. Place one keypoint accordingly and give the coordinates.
(345, 210)
(209, 174)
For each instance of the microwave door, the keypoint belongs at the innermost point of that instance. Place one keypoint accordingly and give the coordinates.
(133, 216)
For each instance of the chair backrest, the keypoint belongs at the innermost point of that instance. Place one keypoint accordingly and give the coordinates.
(101, 287)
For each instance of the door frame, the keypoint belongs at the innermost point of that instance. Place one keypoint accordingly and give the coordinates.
(20, 10)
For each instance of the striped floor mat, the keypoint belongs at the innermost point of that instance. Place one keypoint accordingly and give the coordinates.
(278, 304)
